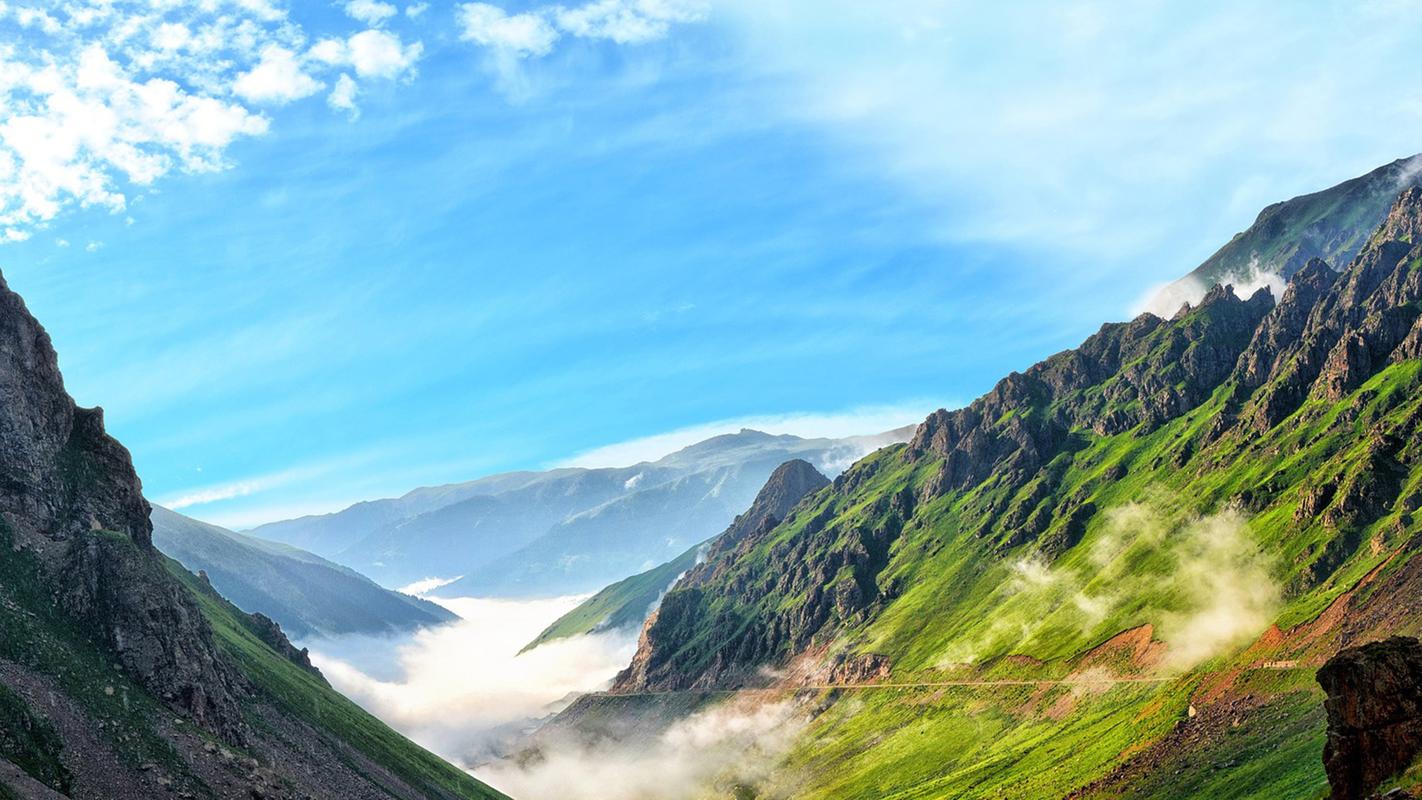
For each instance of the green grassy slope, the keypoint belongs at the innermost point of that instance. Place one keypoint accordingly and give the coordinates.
(624, 604)
(962, 601)
(307, 697)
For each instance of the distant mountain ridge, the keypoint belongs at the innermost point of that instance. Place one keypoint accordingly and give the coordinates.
(306, 594)
(566, 530)
(628, 602)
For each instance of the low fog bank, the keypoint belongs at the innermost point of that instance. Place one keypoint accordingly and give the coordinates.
(462, 689)
(720, 752)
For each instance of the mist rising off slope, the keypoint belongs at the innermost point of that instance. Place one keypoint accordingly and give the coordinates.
(725, 749)
(462, 689)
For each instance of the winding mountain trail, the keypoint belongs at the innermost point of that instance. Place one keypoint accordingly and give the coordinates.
(1083, 681)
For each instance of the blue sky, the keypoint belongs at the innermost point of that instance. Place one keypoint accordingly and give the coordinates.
(358, 248)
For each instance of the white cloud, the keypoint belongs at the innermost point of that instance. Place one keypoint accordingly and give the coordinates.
(343, 96)
(371, 12)
(854, 422)
(1165, 300)
(627, 21)
(213, 494)
(97, 97)
(1089, 128)
(535, 32)
(732, 745)
(381, 54)
(519, 34)
(70, 130)
(277, 78)
(371, 53)
(426, 585)
(416, 9)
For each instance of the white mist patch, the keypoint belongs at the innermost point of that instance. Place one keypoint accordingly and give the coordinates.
(715, 749)
(426, 585)
(462, 689)
(1229, 592)
(1202, 582)
(1163, 301)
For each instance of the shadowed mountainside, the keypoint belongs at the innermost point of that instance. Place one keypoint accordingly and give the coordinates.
(306, 594)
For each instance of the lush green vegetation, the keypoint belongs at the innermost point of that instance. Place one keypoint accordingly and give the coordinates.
(965, 603)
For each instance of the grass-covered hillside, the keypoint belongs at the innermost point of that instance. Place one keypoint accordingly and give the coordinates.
(1162, 533)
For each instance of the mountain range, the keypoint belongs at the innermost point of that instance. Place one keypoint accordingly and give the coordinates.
(1116, 573)
(304, 593)
(563, 531)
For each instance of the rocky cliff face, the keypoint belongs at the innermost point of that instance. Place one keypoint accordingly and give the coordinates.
(69, 493)
(129, 677)
(1374, 711)
(1003, 462)
(788, 485)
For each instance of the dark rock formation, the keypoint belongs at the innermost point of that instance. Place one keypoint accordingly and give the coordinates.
(69, 494)
(788, 485)
(1374, 711)
(271, 634)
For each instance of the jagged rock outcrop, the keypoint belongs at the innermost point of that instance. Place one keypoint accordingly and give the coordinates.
(1374, 709)
(130, 678)
(788, 485)
(1130, 374)
(69, 494)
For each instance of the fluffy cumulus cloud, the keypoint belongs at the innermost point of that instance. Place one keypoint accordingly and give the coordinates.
(535, 32)
(371, 12)
(277, 78)
(100, 99)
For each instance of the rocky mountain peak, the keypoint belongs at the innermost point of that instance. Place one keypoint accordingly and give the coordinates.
(1404, 220)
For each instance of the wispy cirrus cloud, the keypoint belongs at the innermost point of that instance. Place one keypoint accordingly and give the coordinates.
(535, 32)
(98, 100)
